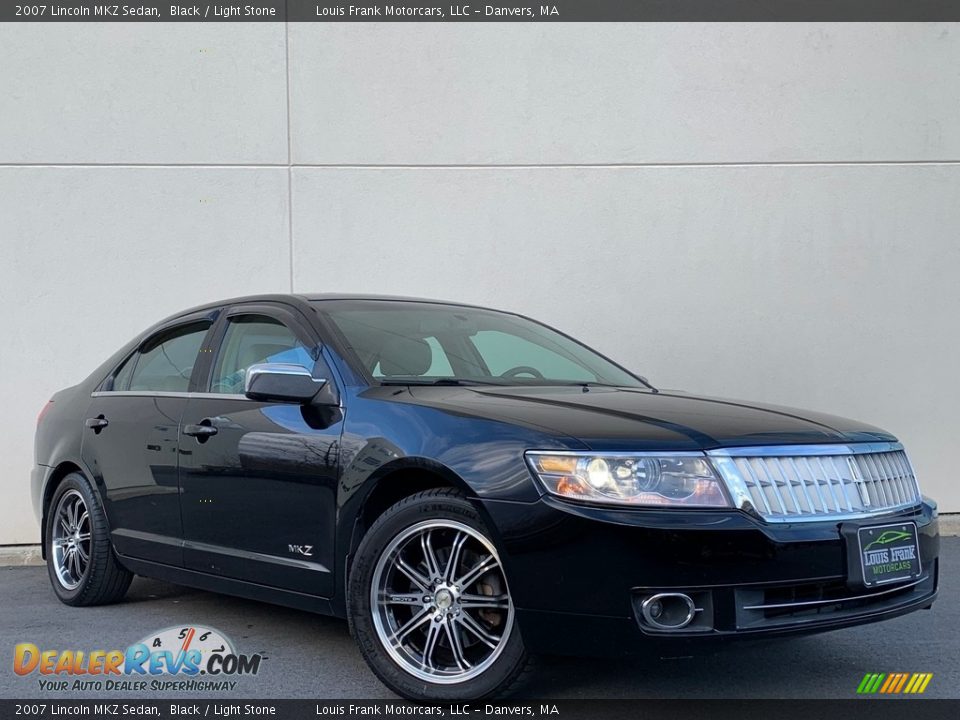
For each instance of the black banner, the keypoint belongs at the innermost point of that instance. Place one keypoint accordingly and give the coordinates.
(556, 11)
(792, 709)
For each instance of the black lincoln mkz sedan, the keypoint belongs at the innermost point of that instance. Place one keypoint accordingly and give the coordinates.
(466, 487)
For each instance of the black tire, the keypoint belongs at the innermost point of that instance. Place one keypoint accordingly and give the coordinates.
(103, 579)
(507, 668)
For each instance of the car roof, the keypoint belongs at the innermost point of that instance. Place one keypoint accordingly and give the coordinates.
(298, 298)
(386, 298)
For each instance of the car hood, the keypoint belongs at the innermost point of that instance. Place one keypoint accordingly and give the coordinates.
(636, 419)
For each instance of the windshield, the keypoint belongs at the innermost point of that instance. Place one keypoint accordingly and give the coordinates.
(411, 342)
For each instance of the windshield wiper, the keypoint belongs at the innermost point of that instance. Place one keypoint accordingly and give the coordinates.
(452, 382)
(587, 384)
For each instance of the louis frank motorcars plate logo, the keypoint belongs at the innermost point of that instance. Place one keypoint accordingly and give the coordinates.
(171, 659)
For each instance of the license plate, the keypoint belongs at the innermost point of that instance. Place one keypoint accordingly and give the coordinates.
(888, 553)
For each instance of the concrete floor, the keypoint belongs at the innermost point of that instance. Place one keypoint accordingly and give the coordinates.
(308, 656)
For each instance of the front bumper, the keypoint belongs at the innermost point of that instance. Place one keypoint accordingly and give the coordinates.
(578, 574)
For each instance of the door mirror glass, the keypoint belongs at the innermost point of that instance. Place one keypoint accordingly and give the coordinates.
(281, 382)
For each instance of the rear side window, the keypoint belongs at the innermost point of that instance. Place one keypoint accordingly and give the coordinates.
(251, 340)
(121, 379)
(166, 363)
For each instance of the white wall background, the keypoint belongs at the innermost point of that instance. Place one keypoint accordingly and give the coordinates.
(758, 211)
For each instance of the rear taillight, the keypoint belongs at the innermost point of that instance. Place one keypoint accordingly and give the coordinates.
(43, 410)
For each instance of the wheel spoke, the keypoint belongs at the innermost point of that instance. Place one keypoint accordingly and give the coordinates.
(72, 541)
(478, 570)
(415, 577)
(411, 625)
(429, 556)
(472, 600)
(456, 646)
(476, 629)
(409, 599)
(433, 634)
(454, 560)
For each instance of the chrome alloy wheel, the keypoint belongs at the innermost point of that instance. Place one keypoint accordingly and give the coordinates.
(440, 603)
(70, 541)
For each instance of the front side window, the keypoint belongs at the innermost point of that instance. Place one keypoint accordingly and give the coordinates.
(401, 342)
(251, 340)
(165, 364)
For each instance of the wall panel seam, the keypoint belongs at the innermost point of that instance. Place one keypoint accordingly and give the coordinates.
(490, 166)
(286, 46)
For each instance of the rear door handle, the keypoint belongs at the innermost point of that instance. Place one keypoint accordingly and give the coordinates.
(202, 430)
(97, 424)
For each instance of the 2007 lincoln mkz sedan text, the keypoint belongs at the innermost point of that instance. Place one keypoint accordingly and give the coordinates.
(467, 487)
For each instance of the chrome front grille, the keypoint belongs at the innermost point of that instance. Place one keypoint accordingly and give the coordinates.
(791, 483)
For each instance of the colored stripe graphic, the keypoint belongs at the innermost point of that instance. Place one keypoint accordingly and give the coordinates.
(918, 683)
(894, 683)
(870, 683)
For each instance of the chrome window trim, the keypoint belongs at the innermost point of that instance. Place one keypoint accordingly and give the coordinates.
(161, 393)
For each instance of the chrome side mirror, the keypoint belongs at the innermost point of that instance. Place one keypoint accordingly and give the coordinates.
(281, 382)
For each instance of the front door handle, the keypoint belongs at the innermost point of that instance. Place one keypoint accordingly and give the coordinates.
(97, 424)
(202, 430)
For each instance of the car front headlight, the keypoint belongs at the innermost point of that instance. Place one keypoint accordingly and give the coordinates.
(635, 479)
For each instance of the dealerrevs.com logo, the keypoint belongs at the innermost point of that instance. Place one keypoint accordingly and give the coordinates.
(894, 683)
(176, 658)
